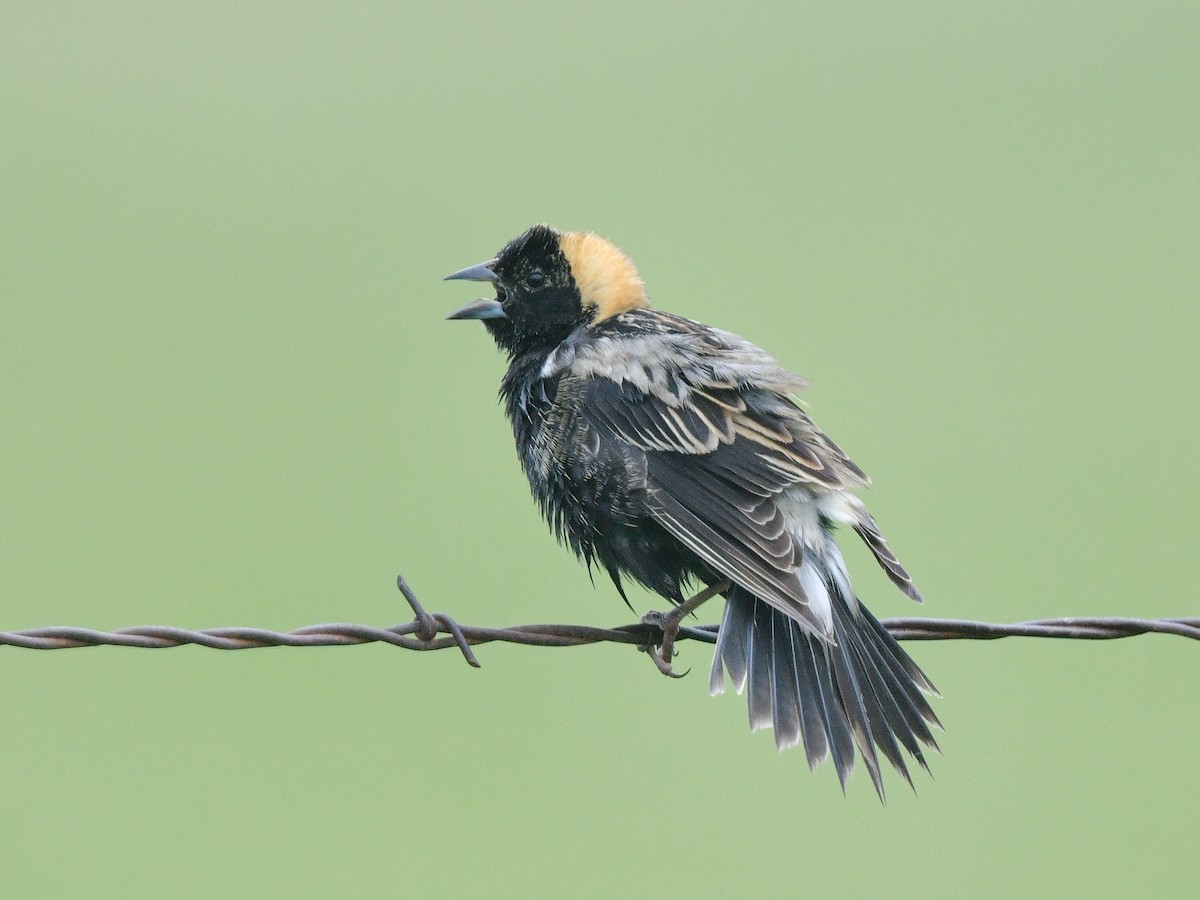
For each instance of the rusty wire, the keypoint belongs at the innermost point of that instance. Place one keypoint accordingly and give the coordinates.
(437, 631)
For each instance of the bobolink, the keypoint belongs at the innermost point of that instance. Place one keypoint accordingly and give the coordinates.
(672, 453)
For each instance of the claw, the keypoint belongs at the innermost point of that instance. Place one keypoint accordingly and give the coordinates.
(668, 623)
(663, 666)
(663, 653)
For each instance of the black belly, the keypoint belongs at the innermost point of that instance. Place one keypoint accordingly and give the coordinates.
(609, 521)
(591, 490)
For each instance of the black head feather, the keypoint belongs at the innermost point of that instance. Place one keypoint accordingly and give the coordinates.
(538, 293)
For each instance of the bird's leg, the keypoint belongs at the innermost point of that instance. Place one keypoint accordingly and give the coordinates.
(668, 623)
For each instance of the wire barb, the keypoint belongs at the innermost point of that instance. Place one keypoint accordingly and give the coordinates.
(438, 631)
(428, 630)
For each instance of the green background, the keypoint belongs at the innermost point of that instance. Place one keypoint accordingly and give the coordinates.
(227, 397)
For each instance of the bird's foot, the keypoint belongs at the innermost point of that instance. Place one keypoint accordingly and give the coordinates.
(668, 623)
(662, 653)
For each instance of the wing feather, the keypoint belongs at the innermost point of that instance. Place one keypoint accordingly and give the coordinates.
(724, 444)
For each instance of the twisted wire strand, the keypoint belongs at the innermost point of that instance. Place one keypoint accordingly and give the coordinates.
(438, 631)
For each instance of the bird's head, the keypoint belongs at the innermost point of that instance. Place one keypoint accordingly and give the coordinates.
(548, 283)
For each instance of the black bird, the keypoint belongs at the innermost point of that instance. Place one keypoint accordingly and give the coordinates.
(672, 453)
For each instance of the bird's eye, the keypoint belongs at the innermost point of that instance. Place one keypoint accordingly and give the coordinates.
(535, 279)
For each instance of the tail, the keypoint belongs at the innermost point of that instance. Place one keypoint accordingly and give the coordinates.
(861, 692)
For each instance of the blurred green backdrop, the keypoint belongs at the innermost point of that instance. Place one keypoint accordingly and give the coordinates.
(227, 397)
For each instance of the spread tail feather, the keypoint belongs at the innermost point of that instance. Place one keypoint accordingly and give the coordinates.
(860, 695)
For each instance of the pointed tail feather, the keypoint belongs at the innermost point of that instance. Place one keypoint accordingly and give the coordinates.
(869, 531)
(859, 696)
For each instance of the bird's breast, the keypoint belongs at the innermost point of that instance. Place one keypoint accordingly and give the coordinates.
(586, 485)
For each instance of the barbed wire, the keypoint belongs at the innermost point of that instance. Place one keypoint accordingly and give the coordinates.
(438, 631)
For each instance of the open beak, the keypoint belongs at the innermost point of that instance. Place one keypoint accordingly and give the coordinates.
(487, 308)
(481, 272)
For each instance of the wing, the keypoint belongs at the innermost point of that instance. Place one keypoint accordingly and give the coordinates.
(730, 459)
